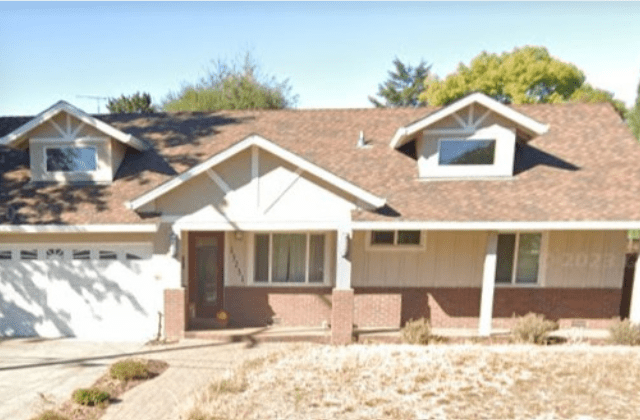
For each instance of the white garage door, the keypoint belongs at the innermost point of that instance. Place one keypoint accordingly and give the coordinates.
(91, 291)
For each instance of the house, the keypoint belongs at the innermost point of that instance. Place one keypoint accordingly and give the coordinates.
(129, 226)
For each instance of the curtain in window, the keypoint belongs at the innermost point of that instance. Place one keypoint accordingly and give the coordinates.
(289, 257)
(316, 259)
(528, 258)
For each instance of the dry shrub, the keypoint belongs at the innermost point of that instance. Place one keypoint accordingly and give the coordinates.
(50, 415)
(533, 328)
(417, 332)
(625, 333)
(129, 369)
(90, 396)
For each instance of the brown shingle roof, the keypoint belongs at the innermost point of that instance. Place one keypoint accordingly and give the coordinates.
(584, 168)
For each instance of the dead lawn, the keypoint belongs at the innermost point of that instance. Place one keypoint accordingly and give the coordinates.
(306, 381)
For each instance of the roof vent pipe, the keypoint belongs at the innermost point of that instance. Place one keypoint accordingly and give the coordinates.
(361, 142)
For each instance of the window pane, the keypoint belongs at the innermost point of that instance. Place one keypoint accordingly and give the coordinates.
(467, 152)
(408, 237)
(71, 159)
(316, 258)
(528, 258)
(54, 254)
(289, 257)
(107, 255)
(506, 248)
(81, 254)
(31, 254)
(382, 237)
(261, 259)
(5, 255)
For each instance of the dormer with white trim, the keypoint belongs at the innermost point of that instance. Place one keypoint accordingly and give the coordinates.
(474, 137)
(66, 145)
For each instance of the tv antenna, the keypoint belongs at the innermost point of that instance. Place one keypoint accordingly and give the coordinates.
(96, 98)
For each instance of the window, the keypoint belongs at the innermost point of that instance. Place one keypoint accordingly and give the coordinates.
(81, 254)
(54, 254)
(71, 159)
(29, 254)
(467, 152)
(518, 258)
(395, 238)
(5, 255)
(107, 255)
(296, 258)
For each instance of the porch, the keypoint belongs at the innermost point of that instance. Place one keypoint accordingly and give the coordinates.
(353, 300)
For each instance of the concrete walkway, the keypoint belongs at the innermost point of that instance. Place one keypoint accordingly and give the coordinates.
(37, 374)
(193, 364)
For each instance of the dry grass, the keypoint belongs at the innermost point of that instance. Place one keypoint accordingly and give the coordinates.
(415, 382)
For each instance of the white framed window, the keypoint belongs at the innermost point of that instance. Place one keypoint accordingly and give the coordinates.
(395, 240)
(71, 158)
(466, 152)
(290, 258)
(520, 258)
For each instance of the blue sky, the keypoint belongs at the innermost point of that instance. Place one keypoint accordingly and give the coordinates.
(334, 54)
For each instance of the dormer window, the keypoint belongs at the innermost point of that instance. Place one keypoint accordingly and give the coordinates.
(71, 159)
(466, 152)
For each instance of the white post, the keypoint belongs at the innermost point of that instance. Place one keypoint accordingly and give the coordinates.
(488, 285)
(634, 310)
(343, 259)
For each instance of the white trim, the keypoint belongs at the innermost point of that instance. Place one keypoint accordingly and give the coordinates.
(255, 173)
(258, 141)
(481, 119)
(422, 246)
(219, 181)
(488, 285)
(59, 129)
(127, 228)
(296, 176)
(497, 225)
(14, 137)
(526, 122)
(459, 119)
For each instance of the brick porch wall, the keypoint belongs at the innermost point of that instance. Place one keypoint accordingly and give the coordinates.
(175, 313)
(286, 306)
(460, 307)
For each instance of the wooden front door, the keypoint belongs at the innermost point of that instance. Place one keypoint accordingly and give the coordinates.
(206, 263)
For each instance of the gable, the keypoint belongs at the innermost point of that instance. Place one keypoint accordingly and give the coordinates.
(239, 190)
(65, 120)
(257, 145)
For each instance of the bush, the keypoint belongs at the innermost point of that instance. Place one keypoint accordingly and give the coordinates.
(90, 396)
(533, 328)
(417, 332)
(50, 415)
(129, 369)
(625, 333)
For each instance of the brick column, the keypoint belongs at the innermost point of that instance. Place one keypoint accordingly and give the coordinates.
(342, 316)
(175, 313)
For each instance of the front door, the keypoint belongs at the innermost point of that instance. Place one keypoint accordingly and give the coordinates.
(206, 256)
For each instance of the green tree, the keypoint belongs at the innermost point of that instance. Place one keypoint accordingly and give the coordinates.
(633, 116)
(588, 94)
(525, 75)
(403, 86)
(232, 85)
(138, 103)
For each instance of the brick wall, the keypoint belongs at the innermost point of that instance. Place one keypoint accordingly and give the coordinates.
(286, 306)
(460, 307)
(175, 314)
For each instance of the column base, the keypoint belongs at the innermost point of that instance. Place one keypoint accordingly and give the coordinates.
(175, 313)
(342, 316)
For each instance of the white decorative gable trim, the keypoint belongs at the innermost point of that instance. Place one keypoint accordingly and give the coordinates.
(256, 141)
(18, 134)
(530, 124)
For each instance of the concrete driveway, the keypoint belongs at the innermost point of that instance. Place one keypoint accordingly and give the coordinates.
(36, 374)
